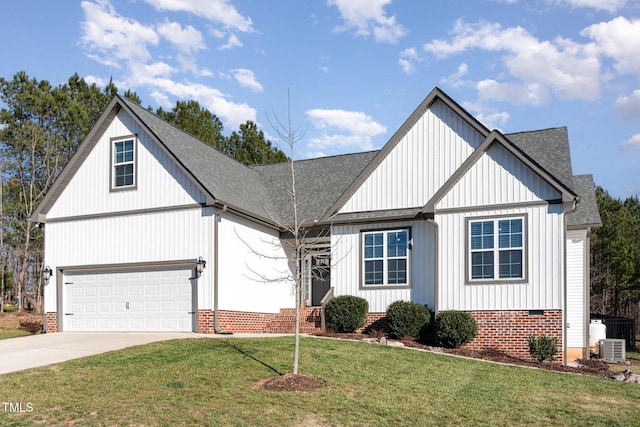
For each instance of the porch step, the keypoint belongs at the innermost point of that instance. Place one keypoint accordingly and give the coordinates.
(285, 321)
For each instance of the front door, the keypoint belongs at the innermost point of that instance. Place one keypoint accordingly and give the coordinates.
(317, 277)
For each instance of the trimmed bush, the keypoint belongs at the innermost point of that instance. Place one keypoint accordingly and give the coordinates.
(407, 319)
(31, 326)
(543, 347)
(346, 313)
(455, 328)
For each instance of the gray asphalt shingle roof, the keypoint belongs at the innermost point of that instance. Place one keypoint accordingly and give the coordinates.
(586, 212)
(227, 180)
(319, 183)
(263, 189)
(550, 149)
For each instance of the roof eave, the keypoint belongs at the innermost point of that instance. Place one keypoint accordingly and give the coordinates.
(40, 213)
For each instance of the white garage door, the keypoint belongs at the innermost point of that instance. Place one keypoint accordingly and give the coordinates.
(159, 300)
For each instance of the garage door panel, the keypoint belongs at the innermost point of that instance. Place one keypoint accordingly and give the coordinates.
(129, 301)
(151, 290)
(135, 290)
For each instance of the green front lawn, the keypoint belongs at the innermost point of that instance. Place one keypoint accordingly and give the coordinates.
(213, 382)
(12, 333)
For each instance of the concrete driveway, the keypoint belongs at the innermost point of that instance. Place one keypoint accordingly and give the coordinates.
(17, 354)
(33, 351)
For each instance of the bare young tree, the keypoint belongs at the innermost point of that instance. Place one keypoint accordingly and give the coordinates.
(290, 136)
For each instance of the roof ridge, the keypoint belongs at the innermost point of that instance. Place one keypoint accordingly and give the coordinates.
(535, 130)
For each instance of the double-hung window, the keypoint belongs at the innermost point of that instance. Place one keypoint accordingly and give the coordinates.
(497, 249)
(385, 257)
(123, 163)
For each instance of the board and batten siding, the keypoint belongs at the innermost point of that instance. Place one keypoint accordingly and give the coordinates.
(159, 181)
(577, 288)
(498, 177)
(543, 289)
(347, 265)
(426, 156)
(253, 270)
(150, 237)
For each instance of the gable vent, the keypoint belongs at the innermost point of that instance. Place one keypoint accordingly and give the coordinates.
(612, 350)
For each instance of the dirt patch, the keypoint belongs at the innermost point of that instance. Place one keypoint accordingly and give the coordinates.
(291, 382)
(11, 321)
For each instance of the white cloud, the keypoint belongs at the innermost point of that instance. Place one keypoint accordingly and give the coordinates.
(566, 69)
(217, 11)
(98, 81)
(455, 79)
(246, 78)
(368, 17)
(408, 58)
(631, 143)
(232, 42)
(344, 129)
(141, 74)
(232, 114)
(629, 106)
(187, 40)
(485, 115)
(618, 39)
(113, 36)
(608, 5)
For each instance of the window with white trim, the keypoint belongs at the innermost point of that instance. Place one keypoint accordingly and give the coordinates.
(497, 249)
(385, 256)
(123, 163)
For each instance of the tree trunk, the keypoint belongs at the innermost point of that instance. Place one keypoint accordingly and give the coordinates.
(24, 265)
(296, 345)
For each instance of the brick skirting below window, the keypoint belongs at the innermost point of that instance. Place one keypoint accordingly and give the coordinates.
(52, 322)
(509, 330)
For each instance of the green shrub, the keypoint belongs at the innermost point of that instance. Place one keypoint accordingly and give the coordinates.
(543, 347)
(407, 319)
(455, 328)
(346, 313)
(31, 326)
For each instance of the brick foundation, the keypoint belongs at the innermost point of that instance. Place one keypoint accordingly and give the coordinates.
(504, 330)
(374, 322)
(51, 322)
(205, 322)
(251, 322)
(509, 330)
(243, 322)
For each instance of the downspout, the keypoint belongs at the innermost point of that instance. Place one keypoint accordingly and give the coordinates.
(216, 218)
(574, 206)
(436, 284)
(564, 293)
(587, 292)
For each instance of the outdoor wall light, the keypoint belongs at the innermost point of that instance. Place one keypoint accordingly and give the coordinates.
(200, 265)
(46, 273)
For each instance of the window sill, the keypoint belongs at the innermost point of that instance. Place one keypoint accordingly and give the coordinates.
(497, 282)
(378, 287)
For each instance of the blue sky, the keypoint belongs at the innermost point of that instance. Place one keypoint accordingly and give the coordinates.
(356, 69)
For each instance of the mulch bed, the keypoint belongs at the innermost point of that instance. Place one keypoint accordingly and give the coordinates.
(291, 382)
(595, 367)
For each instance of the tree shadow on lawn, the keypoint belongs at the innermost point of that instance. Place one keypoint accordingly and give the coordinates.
(281, 382)
(244, 353)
